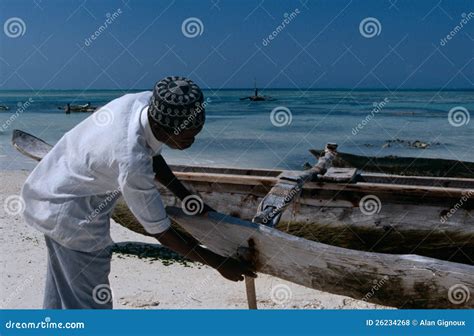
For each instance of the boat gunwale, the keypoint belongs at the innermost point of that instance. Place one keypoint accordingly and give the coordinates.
(275, 172)
(254, 180)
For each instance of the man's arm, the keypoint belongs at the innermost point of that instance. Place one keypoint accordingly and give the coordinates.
(167, 178)
(143, 198)
(229, 268)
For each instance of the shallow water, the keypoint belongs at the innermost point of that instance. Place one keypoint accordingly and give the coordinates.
(241, 133)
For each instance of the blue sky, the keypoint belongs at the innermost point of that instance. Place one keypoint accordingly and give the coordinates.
(322, 46)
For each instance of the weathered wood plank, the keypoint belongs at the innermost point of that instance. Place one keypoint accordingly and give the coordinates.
(415, 190)
(340, 175)
(403, 281)
(449, 182)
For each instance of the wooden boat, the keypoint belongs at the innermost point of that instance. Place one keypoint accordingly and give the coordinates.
(78, 108)
(256, 96)
(344, 231)
(404, 165)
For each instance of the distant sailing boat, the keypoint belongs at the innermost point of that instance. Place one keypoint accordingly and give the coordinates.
(256, 97)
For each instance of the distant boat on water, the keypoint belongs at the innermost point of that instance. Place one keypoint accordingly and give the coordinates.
(78, 108)
(256, 96)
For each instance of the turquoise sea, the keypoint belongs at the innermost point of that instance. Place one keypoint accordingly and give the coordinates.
(243, 133)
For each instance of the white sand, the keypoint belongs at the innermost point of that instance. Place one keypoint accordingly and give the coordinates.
(138, 283)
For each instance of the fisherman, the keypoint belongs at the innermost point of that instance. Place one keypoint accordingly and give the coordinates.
(71, 193)
(68, 108)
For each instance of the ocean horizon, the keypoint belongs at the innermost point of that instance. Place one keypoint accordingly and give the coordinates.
(243, 134)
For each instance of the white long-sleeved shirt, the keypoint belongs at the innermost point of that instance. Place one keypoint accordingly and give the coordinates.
(71, 193)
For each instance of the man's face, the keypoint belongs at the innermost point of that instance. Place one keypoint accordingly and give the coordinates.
(182, 140)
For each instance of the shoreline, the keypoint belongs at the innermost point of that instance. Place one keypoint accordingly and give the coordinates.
(141, 282)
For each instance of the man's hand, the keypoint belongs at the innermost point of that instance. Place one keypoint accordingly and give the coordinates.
(229, 268)
(234, 270)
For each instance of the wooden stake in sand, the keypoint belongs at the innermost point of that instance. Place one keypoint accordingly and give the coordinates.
(251, 293)
(249, 256)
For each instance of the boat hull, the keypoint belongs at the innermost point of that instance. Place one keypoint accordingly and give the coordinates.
(402, 281)
(331, 214)
(404, 165)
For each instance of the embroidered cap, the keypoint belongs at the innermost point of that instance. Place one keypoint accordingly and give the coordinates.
(177, 104)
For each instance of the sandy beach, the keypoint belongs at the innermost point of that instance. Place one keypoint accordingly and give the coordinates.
(140, 283)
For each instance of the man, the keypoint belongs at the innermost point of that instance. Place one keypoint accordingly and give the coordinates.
(70, 195)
